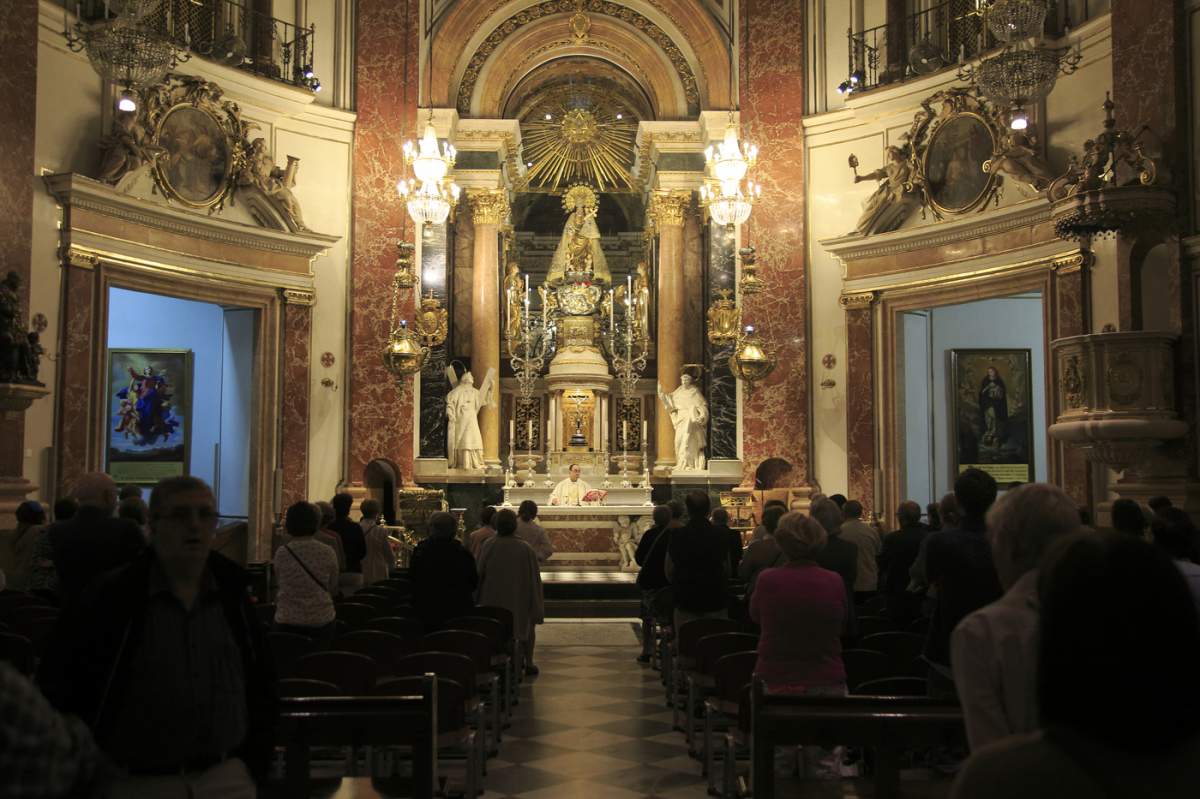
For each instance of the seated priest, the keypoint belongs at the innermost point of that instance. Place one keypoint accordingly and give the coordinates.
(572, 490)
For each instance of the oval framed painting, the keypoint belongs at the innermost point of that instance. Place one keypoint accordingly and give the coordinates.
(953, 165)
(196, 162)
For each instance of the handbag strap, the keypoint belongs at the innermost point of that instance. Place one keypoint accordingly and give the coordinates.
(304, 566)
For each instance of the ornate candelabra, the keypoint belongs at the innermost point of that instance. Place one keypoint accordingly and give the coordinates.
(528, 337)
(628, 344)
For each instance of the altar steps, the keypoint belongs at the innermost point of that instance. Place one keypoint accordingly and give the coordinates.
(591, 594)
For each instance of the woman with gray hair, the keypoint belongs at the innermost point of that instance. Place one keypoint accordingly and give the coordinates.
(993, 651)
(801, 608)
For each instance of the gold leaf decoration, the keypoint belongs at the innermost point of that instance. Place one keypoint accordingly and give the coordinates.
(579, 137)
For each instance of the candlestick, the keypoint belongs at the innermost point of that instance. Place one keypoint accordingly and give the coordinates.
(511, 430)
(628, 290)
(530, 435)
(643, 431)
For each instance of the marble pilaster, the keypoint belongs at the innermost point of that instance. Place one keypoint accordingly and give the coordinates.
(294, 396)
(78, 334)
(775, 421)
(860, 400)
(386, 55)
(434, 385)
(668, 210)
(489, 209)
(719, 382)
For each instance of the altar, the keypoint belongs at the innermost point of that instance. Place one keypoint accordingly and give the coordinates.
(584, 536)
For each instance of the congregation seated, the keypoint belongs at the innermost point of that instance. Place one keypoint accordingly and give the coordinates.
(1118, 701)
(801, 609)
(443, 574)
(509, 577)
(94, 540)
(307, 573)
(994, 649)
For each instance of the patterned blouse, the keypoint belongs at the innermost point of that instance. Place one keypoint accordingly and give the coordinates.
(305, 595)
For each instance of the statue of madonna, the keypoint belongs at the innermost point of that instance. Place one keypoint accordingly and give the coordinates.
(580, 242)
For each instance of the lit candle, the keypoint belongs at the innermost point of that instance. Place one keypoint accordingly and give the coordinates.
(530, 435)
(628, 290)
(623, 436)
(643, 431)
(512, 433)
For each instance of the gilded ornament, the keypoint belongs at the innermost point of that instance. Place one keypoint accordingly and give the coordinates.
(750, 282)
(667, 207)
(750, 360)
(579, 134)
(432, 322)
(489, 206)
(724, 319)
(404, 277)
(580, 23)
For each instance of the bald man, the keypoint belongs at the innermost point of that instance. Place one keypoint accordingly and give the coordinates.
(94, 540)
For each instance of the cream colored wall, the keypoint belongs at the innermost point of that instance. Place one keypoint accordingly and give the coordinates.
(69, 106)
(864, 126)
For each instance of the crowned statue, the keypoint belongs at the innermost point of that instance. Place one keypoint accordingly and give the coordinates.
(688, 411)
(579, 248)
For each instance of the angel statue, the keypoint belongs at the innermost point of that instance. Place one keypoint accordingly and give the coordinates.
(126, 149)
(579, 248)
(626, 537)
(893, 200)
(464, 442)
(1018, 159)
(276, 184)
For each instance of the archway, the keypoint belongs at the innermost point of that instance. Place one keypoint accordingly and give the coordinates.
(381, 479)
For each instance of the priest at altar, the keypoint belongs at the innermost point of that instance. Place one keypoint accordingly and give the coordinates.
(571, 490)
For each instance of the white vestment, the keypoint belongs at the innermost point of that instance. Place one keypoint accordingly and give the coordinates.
(569, 493)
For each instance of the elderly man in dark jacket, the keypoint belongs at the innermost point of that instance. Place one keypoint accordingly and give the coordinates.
(166, 663)
(94, 540)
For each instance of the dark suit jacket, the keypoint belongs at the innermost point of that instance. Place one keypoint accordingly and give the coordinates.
(444, 579)
(896, 558)
(959, 563)
(700, 564)
(735, 545)
(651, 555)
(841, 556)
(89, 544)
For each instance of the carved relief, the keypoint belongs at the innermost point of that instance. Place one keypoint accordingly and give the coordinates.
(1073, 385)
(1124, 379)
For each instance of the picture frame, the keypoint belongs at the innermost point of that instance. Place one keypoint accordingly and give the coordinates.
(991, 401)
(148, 414)
(953, 164)
(197, 159)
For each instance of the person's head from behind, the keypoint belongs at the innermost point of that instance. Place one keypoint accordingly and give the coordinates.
(771, 517)
(1129, 518)
(719, 517)
(800, 537)
(30, 513)
(698, 504)
(487, 516)
(65, 508)
(677, 510)
(302, 519)
(342, 503)
(183, 518)
(1115, 611)
(1174, 533)
(371, 509)
(661, 515)
(527, 510)
(1159, 504)
(442, 526)
(975, 491)
(129, 492)
(908, 514)
(327, 514)
(949, 511)
(934, 512)
(828, 515)
(96, 490)
(839, 500)
(506, 522)
(852, 510)
(1024, 523)
(134, 509)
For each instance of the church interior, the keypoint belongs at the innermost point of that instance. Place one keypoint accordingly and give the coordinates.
(604, 259)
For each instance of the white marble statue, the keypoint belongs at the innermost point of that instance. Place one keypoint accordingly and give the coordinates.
(571, 490)
(464, 443)
(626, 537)
(689, 414)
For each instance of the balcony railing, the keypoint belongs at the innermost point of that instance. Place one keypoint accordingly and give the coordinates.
(229, 32)
(935, 38)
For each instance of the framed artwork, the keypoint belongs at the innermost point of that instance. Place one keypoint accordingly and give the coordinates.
(196, 161)
(992, 413)
(953, 164)
(149, 414)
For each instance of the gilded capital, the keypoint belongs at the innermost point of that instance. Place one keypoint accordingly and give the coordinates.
(303, 297)
(857, 302)
(667, 207)
(488, 206)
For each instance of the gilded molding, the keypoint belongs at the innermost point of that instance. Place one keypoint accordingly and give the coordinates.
(488, 206)
(1075, 262)
(302, 297)
(667, 208)
(80, 259)
(858, 301)
(548, 8)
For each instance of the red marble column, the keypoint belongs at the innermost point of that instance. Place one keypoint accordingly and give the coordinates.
(75, 376)
(18, 98)
(775, 414)
(860, 404)
(297, 345)
(386, 58)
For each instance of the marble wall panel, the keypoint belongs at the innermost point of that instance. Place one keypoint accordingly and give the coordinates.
(775, 414)
(75, 381)
(385, 76)
(719, 382)
(294, 401)
(694, 300)
(460, 282)
(434, 385)
(860, 408)
(591, 539)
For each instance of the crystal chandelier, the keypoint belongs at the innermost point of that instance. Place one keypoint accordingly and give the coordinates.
(727, 201)
(429, 203)
(123, 48)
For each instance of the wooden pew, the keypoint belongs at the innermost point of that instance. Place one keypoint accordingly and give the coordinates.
(355, 721)
(888, 724)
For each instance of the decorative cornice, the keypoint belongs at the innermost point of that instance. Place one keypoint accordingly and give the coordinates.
(301, 297)
(858, 301)
(489, 206)
(77, 191)
(1075, 262)
(80, 259)
(667, 207)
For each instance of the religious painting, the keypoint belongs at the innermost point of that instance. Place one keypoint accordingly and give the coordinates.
(149, 414)
(953, 168)
(196, 161)
(992, 413)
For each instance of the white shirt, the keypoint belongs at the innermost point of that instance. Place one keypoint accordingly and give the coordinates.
(994, 655)
(569, 492)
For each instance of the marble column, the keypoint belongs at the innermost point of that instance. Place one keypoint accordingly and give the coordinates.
(18, 97)
(488, 209)
(385, 70)
(667, 210)
(294, 395)
(860, 399)
(775, 414)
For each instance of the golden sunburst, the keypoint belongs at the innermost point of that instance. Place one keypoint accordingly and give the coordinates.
(576, 140)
